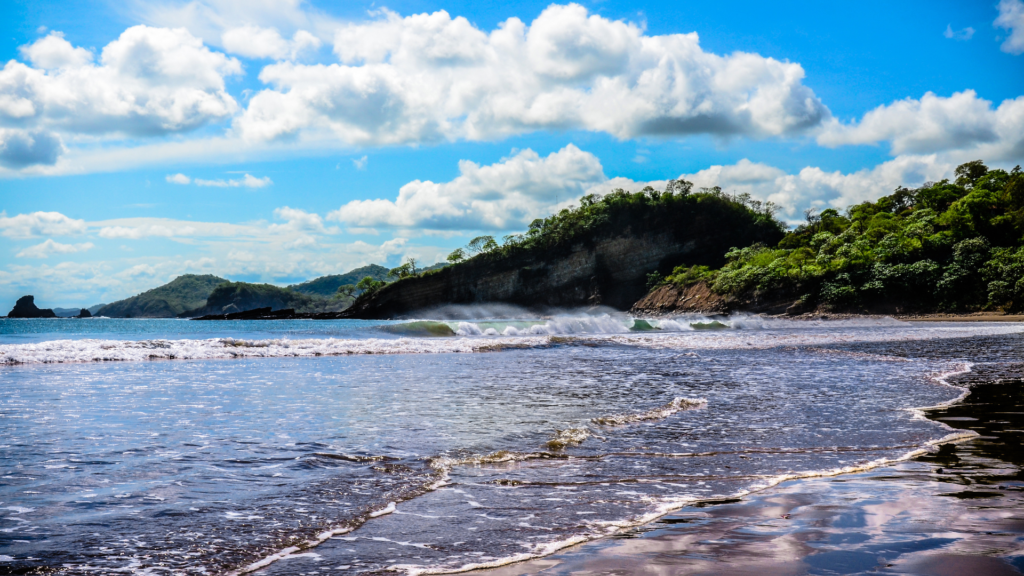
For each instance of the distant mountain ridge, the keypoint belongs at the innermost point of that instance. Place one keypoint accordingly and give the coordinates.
(192, 295)
(328, 285)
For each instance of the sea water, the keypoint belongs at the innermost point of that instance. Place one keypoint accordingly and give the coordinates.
(176, 447)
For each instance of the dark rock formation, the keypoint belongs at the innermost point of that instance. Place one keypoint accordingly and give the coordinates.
(610, 269)
(671, 299)
(700, 299)
(26, 308)
(84, 313)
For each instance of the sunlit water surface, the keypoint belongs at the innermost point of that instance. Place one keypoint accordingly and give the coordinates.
(337, 443)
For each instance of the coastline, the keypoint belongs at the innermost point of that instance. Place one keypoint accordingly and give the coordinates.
(957, 509)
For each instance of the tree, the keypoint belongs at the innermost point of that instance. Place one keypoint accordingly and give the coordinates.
(457, 255)
(369, 285)
(481, 244)
(346, 291)
(969, 173)
(403, 271)
(678, 187)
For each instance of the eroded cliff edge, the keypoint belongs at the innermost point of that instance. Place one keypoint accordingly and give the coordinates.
(607, 264)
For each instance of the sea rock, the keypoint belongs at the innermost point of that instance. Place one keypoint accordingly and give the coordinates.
(672, 299)
(83, 313)
(26, 308)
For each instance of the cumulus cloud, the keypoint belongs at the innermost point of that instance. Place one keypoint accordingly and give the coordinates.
(432, 77)
(39, 224)
(360, 163)
(297, 220)
(256, 42)
(505, 195)
(934, 123)
(1011, 17)
(178, 178)
(49, 247)
(23, 148)
(149, 81)
(247, 181)
(53, 52)
(964, 34)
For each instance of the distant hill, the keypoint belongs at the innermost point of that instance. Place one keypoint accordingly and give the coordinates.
(69, 312)
(328, 285)
(185, 292)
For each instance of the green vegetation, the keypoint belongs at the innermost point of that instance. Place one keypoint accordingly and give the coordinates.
(183, 293)
(328, 286)
(948, 246)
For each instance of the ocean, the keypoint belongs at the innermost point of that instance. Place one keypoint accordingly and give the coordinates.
(442, 445)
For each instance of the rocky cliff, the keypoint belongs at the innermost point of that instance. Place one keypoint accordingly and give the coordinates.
(608, 265)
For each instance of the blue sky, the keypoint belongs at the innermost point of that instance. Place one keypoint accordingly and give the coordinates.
(278, 141)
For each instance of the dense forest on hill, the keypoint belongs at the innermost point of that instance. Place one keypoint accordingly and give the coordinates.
(954, 246)
(328, 285)
(185, 292)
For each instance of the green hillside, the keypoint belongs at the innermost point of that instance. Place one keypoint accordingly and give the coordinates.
(947, 246)
(328, 285)
(185, 292)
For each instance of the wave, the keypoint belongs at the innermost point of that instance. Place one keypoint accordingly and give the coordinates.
(63, 351)
(659, 413)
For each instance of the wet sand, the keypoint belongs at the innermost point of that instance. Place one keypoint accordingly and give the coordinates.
(958, 510)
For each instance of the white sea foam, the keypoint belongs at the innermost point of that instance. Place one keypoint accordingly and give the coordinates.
(748, 333)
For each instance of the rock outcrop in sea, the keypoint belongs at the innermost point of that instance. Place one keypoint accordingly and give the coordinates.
(26, 307)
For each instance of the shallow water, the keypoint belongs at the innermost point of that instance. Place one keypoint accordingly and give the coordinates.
(439, 460)
(959, 509)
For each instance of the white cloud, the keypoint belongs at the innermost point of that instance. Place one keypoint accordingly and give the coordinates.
(49, 247)
(300, 221)
(211, 19)
(149, 81)
(247, 181)
(256, 42)
(54, 52)
(505, 195)
(430, 77)
(964, 34)
(39, 224)
(178, 178)
(360, 163)
(1011, 17)
(932, 124)
(814, 187)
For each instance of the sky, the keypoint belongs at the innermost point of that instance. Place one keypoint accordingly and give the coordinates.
(281, 140)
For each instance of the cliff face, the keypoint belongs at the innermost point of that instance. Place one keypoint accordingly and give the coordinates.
(609, 270)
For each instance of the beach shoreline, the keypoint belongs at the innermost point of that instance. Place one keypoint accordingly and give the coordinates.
(958, 509)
